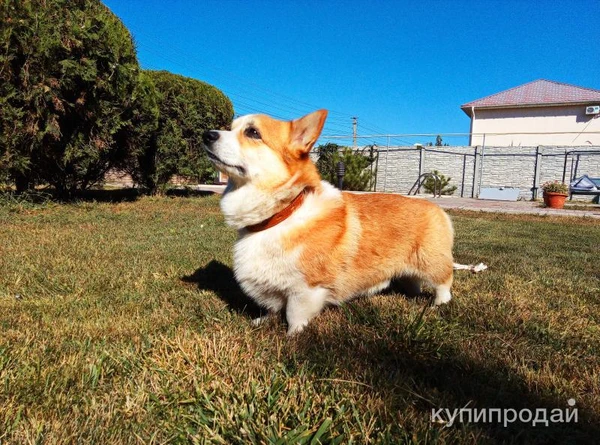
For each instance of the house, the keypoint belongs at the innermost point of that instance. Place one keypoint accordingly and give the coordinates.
(542, 112)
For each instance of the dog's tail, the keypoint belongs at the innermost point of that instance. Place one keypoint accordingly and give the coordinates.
(473, 268)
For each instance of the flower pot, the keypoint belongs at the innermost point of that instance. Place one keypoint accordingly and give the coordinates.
(555, 200)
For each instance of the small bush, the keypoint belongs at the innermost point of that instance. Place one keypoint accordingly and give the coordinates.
(555, 187)
(446, 188)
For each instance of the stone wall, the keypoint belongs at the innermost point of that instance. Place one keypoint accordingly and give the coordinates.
(116, 178)
(399, 167)
(523, 167)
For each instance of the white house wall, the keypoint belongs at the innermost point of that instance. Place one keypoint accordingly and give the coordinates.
(564, 125)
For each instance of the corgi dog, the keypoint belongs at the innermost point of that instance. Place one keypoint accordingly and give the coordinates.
(304, 244)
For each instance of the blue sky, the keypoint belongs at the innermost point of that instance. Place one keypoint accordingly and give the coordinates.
(399, 66)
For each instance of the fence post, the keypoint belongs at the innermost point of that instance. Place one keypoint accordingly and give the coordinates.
(385, 173)
(462, 181)
(376, 168)
(421, 159)
(476, 161)
(574, 175)
(481, 156)
(536, 173)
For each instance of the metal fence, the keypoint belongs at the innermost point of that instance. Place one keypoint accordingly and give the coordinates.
(472, 168)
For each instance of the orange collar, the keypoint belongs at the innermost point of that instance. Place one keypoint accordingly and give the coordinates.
(281, 215)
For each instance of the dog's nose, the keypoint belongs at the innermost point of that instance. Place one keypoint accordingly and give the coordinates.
(210, 136)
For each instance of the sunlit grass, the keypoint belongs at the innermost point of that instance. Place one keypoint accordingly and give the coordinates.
(121, 323)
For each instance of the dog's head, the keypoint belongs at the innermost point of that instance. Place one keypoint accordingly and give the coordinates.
(266, 152)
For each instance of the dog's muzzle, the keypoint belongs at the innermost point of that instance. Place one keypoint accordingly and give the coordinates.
(210, 136)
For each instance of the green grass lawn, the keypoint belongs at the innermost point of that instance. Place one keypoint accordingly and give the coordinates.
(121, 323)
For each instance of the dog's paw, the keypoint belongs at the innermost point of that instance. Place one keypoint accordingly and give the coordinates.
(442, 296)
(296, 329)
(259, 321)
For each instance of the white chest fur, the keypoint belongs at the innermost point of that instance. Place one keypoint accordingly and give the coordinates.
(269, 273)
(264, 270)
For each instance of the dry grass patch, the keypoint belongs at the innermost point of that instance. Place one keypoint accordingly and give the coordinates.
(121, 323)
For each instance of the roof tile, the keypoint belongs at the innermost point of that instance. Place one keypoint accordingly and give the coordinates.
(539, 92)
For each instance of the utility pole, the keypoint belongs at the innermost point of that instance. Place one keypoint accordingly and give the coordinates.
(354, 128)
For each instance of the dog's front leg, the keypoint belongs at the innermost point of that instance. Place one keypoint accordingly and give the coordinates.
(303, 307)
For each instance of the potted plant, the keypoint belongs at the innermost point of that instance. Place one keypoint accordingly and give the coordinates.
(555, 194)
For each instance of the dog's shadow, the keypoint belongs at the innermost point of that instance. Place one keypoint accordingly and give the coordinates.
(218, 278)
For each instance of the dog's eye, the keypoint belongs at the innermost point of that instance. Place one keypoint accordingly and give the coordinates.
(252, 133)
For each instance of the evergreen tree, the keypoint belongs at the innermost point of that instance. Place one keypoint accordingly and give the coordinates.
(68, 74)
(327, 161)
(359, 174)
(439, 142)
(444, 184)
(186, 108)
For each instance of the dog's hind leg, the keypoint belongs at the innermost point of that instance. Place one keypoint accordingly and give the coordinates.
(437, 269)
(442, 292)
(303, 307)
(441, 277)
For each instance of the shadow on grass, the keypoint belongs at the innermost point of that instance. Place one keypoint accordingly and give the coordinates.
(219, 278)
(189, 193)
(414, 371)
(43, 196)
(132, 194)
(411, 373)
(113, 195)
(99, 195)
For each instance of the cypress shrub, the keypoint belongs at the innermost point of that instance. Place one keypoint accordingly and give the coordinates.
(445, 187)
(68, 80)
(186, 108)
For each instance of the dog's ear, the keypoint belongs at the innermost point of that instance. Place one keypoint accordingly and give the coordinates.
(306, 131)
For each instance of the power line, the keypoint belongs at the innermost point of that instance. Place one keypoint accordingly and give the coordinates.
(278, 105)
(235, 96)
(240, 80)
(249, 105)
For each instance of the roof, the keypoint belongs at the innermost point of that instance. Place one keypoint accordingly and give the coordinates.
(537, 93)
